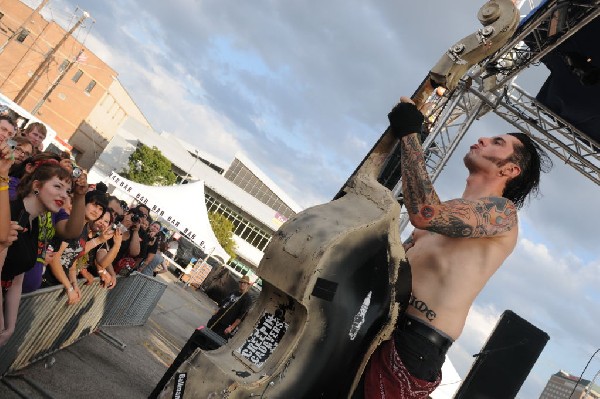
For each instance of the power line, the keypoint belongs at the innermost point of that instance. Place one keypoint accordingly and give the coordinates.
(45, 64)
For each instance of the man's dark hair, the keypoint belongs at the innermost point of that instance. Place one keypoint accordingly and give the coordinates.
(101, 186)
(532, 160)
(9, 119)
(143, 206)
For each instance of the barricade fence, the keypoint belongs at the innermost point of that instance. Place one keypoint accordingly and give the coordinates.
(47, 324)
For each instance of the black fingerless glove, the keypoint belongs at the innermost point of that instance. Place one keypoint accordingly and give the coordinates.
(405, 119)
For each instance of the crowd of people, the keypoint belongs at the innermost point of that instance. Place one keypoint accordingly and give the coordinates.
(56, 229)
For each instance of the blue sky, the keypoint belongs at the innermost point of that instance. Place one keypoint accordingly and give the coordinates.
(303, 89)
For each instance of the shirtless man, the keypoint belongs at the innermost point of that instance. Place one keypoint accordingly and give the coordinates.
(455, 248)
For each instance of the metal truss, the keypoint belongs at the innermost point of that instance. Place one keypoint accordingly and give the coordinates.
(558, 136)
(542, 32)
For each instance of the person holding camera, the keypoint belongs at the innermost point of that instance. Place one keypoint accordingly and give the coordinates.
(22, 149)
(68, 259)
(7, 128)
(67, 225)
(43, 190)
(130, 246)
(114, 204)
(101, 257)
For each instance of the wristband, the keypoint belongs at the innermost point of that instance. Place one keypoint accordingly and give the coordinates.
(102, 271)
(71, 289)
(3, 188)
(405, 118)
(4, 179)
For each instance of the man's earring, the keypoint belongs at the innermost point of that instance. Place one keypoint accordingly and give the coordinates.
(36, 192)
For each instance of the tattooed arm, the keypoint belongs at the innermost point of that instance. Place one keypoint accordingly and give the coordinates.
(416, 184)
(457, 218)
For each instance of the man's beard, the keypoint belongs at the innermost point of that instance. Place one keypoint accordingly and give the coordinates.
(472, 165)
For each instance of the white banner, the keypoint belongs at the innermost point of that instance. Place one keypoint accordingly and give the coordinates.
(182, 206)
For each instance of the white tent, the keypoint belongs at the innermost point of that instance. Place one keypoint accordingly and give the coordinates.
(182, 206)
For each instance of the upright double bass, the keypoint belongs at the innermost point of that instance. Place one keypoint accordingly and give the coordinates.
(333, 275)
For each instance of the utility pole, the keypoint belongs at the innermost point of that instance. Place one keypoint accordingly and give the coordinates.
(55, 83)
(20, 28)
(46, 63)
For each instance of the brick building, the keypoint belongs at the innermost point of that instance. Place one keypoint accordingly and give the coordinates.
(45, 69)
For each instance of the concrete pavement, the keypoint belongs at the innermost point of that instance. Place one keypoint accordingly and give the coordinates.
(95, 368)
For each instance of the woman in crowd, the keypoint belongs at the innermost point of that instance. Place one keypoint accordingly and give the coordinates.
(18, 170)
(65, 224)
(67, 261)
(43, 190)
(100, 258)
(130, 246)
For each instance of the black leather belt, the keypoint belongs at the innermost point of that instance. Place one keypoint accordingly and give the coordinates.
(420, 328)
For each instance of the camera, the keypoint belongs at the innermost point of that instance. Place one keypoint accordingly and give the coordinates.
(11, 145)
(76, 172)
(135, 218)
(120, 227)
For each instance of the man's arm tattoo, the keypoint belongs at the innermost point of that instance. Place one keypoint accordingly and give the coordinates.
(484, 218)
(422, 307)
(416, 184)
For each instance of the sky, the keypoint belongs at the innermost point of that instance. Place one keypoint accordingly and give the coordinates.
(303, 89)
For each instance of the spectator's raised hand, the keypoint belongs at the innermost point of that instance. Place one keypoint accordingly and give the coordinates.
(13, 234)
(80, 185)
(117, 238)
(7, 158)
(107, 234)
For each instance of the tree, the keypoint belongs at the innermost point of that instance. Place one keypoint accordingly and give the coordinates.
(223, 229)
(149, 166)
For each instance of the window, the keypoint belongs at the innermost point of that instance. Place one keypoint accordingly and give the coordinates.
(90, 86)
(63, 65)
(22, 35)
(77, 76)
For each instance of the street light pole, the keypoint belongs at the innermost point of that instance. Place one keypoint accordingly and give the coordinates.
(581, 376)
(587, 389)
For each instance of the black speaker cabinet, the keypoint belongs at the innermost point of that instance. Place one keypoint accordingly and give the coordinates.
(505, 360)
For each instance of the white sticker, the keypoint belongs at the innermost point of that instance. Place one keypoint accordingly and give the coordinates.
(359, 318)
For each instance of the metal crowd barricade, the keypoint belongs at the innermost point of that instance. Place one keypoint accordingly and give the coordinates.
(143, 291)
(47, 324)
